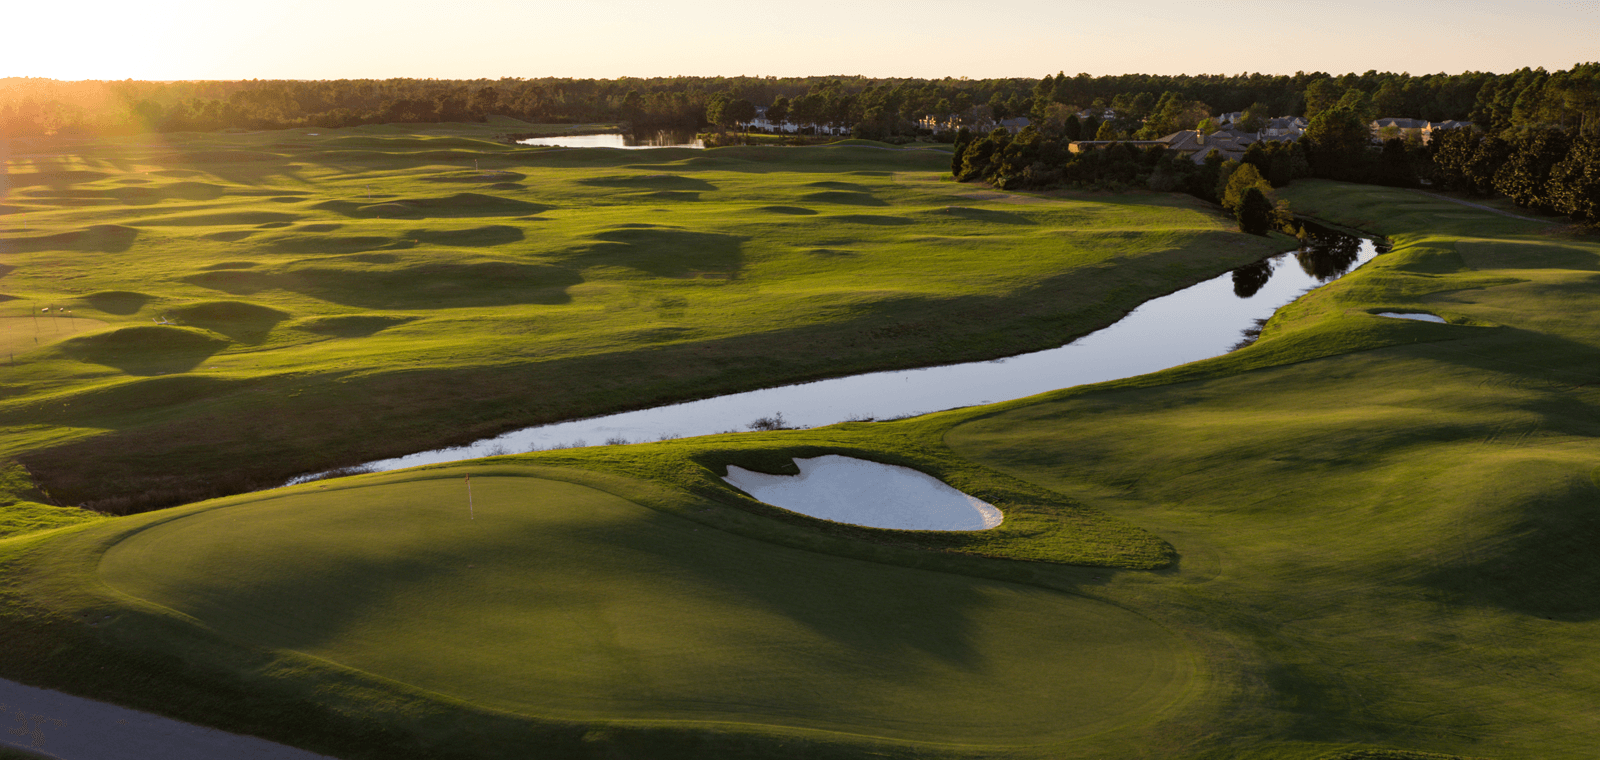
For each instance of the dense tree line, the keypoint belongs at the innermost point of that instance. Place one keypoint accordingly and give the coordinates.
(1039, 158)
(1145, 105)
(1551, 170)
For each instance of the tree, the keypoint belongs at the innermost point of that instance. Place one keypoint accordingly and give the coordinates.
(1336, 143)
(1254, 118)
(739, 111)
(1242, 178)
(717, 109)
(1575, 182)
(1389, 101)
(1107, 131)
(779, 110)
(1255, 212)
(1524, 176)
(1321, 96)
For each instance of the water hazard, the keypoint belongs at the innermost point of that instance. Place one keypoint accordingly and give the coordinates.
(1199, 322)
(665, 138)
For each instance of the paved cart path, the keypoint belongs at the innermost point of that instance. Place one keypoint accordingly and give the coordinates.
(60, 725)
(1489, 209)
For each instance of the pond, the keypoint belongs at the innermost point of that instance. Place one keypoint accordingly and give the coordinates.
(664, 138)
(1199, 322)
(859, 492)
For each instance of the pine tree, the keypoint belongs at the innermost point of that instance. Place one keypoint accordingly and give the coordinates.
(1255, 212)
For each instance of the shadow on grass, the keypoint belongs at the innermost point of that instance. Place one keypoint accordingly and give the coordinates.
(454, 206)
(650, 182)
(119, 302)
(145, 349)
(421, 286)
(100, 238)
(242, 322)
(663, 252)
(844, 198)
(496, 234)
(988, 216)
(351, 325)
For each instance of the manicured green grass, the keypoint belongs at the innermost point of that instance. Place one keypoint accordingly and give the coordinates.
(1393, 545)
(558, 600)
(1358, 538)
(431, 287)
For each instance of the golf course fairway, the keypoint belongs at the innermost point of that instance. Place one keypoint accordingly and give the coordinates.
(1357, 538)
(558, 600)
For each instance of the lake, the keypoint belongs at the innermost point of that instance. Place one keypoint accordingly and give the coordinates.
(1199, 322)
(664, 138)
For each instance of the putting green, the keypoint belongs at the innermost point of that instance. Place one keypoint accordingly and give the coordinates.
(22, 334)
(559, 600)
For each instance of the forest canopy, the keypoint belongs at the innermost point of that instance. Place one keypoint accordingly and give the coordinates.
(1526, 97)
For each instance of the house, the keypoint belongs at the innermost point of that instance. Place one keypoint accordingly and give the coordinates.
(762, 124)
(1439, 126)
(1196, 145)
(1283, 128)
(1389, 128)
(1079, 146)
(1233, 117)
(1014, 125)
(938, 124)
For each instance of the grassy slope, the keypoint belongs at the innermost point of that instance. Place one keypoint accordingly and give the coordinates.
(1382, 530)
(375, 277)
(372, 617)
(1393, 546)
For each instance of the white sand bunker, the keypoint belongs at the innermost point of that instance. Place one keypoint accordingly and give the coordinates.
(1419, 316)
(875, 495)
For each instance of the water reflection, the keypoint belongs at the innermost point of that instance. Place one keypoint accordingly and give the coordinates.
(1248, 279)
(1195, 323)
(661, 138)
(1327, 254)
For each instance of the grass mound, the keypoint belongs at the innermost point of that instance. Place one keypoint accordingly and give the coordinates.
(300, 242)
(650, 182)
(621, 612)
(986, 216)
(351, 325)
(240, 321)
(844, 198)
(221, 219)
(419, 285)
(477, 177)
(218, 156)
(787, 210)
(145, 349)
(475, 237)
(662, 252)
(53, 178)
(99, 238)
(119, 302)
(458, 205)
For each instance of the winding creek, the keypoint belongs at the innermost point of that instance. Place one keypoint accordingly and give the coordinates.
(1198, 322)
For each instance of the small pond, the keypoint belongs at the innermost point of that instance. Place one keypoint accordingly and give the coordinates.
(1414, 315)
(1199, 322)
(859, 492)
(665, 138)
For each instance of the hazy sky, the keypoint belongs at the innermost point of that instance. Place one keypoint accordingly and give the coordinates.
(338, 39)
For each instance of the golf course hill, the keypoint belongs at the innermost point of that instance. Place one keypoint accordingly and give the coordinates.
(1357, 538)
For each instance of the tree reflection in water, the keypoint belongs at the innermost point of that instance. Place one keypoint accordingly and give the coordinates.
(1248, 279)
(1327, 254)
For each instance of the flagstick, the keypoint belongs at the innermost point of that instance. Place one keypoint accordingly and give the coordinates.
(471, 515)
